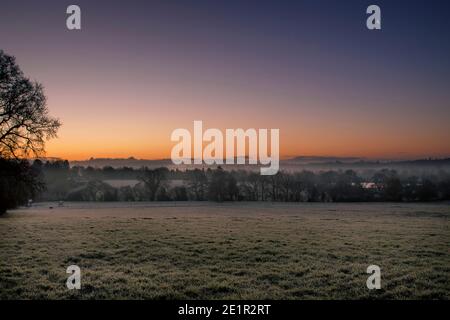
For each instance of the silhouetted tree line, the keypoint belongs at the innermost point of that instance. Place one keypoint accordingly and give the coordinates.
(162, 184)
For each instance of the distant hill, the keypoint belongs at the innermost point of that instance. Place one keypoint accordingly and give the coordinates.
(122, 162)
(293, 164)
(44, 159)
(321, 159)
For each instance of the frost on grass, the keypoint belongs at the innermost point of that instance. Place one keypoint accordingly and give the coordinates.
(229, 251)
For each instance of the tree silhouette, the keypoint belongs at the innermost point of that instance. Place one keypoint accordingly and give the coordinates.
(24, 120)
(198, 183)
(24, 126)
(153, 179)
(19, 181)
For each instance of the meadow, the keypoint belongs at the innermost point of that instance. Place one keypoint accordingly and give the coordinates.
(202, 250)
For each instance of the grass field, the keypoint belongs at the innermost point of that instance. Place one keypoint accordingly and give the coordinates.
(229, 251)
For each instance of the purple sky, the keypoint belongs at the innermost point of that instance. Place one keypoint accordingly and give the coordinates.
(139, 69)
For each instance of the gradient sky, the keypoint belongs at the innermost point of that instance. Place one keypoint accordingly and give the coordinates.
(139, 69)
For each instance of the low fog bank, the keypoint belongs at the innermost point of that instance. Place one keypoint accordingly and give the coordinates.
(327, 180)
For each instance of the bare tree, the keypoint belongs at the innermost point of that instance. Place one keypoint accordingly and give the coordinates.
(153, 180)
(198, 183)
(24, 120)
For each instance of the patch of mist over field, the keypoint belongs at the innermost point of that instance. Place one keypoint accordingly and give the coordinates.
(363, 167)
(304, 179)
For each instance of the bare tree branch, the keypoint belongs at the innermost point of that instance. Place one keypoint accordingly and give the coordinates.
(25, 123)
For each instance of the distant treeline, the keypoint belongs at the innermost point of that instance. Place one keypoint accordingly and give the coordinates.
(63, 182)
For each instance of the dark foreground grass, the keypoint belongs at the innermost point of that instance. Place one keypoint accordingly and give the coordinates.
(229, 251)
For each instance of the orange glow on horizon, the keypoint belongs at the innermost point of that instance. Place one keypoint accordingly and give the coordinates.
(293, 142)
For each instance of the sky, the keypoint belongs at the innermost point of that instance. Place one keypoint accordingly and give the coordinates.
(137, 70)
